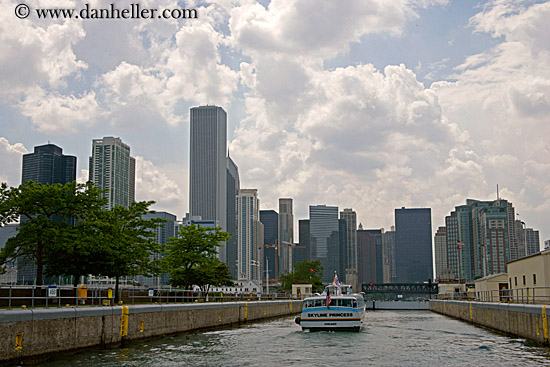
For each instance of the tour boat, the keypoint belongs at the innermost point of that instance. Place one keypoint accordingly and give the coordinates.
(337, 308)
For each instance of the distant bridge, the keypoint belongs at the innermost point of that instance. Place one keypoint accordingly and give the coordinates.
(399, 290)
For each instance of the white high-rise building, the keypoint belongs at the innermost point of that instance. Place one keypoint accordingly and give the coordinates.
(286, 235)
(250, 235)
(208, 166)
(112, 168)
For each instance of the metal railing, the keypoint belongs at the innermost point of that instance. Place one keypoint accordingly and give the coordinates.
(21, 296)
(528, 295)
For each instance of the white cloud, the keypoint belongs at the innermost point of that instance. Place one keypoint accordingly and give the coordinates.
(59, 114)
(313, 28)
(34, 53)
(355, 136)
(11, 156)
(83, 176)
(194, 68)
(154, 183)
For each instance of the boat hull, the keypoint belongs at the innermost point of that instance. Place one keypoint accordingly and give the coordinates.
(331, 319)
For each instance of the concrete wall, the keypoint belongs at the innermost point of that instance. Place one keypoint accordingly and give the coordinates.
(527, 321)
(54, 330)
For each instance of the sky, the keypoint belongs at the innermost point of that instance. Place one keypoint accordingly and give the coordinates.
(371, 105)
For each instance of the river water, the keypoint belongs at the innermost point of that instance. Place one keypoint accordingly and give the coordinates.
(388, 338)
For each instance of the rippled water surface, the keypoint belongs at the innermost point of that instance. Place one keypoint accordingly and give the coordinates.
(388, 338)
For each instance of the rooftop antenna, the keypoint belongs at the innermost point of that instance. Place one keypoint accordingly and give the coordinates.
(498, 196)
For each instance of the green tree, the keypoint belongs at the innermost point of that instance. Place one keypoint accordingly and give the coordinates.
(305, 272)
(191, 258)
(126, 241)
(212, 273)
(47, 214)
(81, 253)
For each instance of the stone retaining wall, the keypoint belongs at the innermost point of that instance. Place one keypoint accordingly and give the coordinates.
(26, 334)
(527, 321)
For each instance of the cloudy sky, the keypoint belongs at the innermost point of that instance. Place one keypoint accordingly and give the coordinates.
(369, 104)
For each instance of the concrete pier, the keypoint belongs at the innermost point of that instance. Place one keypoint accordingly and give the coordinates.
(37, 333)
(527, 321)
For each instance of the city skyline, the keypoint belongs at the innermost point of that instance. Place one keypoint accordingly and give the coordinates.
(416, 103)
(470, 228)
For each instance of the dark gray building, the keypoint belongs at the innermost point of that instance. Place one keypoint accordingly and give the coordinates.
(342, 248)
(233, 186)
(413, 245)
(47, 165)
(325, 239)
(270, 220)
(378, 254)
(366, 257)
(301, 253)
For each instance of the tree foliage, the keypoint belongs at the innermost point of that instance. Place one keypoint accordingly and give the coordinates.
(65, 228)
(191, 258)
(305, 272)
(125, 241)
(47, 214)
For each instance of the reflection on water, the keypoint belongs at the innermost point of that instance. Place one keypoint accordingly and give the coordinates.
(388, 338)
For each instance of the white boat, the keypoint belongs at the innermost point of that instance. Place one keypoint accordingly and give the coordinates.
(337, 308)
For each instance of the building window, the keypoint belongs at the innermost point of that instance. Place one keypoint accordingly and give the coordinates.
(516, 281)
(524, 280)
(534, 279)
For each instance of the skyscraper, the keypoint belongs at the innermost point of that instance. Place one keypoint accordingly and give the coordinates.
(350, 251)
(47, 165)
(250, 236)
(324, 239)
(366, 257)
(111, 168)
(533, 241)
(440, 247)
(388, 256)
(377, 261)
(233, 186)
(162, 234)
(303, 238)
(481, 238)
(413, 245)
(270, 220)
(286, 235)
(342, 247)
(208, 166)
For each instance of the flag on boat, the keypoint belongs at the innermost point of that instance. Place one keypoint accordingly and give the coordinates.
(335, 282)
(459, 243)
(328, 298)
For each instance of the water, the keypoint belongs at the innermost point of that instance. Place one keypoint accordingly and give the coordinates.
(388, 338)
